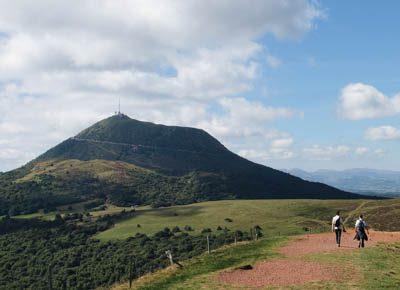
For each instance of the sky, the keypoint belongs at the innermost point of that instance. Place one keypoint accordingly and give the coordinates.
(289, 84)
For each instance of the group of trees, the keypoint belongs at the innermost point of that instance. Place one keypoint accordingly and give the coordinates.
(64, 251)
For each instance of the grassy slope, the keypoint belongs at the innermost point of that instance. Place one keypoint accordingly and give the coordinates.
(197, 272)
(102, 169)
(376, 268)
(283, 217)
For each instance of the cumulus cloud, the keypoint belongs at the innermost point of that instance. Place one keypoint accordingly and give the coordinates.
(319, 152)
(173, 62)
(279, 149)
(382, 133)
(243, 119)
(361, 101)
(331, 152)
(361, 150)
(282, 143)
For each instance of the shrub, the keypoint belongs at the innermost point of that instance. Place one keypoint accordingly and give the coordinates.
(206, 230)
(176, 229)
(188, 228)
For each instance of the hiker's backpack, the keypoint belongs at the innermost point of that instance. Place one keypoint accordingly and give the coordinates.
(338, 222)
(361, 225)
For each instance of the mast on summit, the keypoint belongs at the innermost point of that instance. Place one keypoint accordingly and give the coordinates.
(118, 113)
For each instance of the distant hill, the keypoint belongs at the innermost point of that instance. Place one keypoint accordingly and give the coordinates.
(125, 161)
(361, 180)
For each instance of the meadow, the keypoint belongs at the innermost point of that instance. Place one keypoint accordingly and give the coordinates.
(275, 217)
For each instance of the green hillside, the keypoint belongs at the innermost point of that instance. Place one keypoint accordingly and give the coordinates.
(275, 217)
(129, 162)
(49, 184)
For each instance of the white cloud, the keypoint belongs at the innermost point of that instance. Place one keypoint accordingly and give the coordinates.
(281, 148)
(246, 110)
(278, 149)
(239, 117)
(282, 143)
(360, 101)
(318, 152)
(361, 150)
(170, 62)
(273, 61)
(382, 133)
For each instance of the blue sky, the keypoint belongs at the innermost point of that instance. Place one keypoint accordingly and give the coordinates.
(355, 42)
(297, 84)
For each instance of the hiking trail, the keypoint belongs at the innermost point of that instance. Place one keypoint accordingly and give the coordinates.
(296, 268)
(355, 212)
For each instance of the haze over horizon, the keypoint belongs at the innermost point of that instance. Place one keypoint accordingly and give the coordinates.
(308, 85)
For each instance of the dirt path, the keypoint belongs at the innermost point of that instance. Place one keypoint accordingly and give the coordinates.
(355, 212)
(293, 269)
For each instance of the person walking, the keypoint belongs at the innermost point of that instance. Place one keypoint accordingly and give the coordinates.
(338, 227)
(361, 228)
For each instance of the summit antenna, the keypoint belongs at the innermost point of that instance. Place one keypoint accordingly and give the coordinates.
(119, 105)
(118, 113)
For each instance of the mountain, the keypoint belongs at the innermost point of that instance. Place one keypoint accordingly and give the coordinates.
(361, 180)
(125, 161)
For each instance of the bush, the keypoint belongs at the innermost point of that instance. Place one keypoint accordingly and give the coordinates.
(206, 230)
(165, 233)
(188, 228)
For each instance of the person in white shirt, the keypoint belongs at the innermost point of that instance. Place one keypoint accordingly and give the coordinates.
(361, 228)
(338, 227)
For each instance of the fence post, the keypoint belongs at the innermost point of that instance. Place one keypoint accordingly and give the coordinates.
(169, 255)
(208, 244)
(130, 272)
(50, 277)
(235, 238)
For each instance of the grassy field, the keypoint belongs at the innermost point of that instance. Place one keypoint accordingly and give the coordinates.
(276, 217)
(45, 216)
(73, 208)
(375, 268)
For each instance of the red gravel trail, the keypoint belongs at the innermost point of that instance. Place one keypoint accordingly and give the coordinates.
(293, 270)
